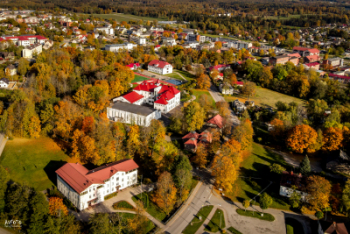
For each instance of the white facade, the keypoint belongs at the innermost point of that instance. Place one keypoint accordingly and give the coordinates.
(107, 30)
(287, 192)
(165, 108)
(30, 51)
(226, 89)
(167, 69)
(169, 41)
(98, 191)
(3, 84)
(117, 47)
(139, 40)
(125, 116)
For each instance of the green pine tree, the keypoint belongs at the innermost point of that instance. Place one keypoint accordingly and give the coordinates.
(304, 166)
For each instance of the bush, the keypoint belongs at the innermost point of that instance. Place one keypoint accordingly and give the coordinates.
(188, 67)
(319, 214)
(111, 195)
(147, 181)
(305, 210)
(276, 168)
(123, 205)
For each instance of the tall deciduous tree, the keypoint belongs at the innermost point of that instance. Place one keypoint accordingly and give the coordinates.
(194, 116)
(301, 137)
(200, 159)
(319, 190)
(224, 171)
(332, 139)
(165, 194)
(56, 207)
(265, 201)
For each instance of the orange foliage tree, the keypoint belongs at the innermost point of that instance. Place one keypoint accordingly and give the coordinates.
(56, 207)
(301, 137)
(165, 194)
(232, 148)
(278, 128)
(332, 139)
(83, 148)
(203, 82)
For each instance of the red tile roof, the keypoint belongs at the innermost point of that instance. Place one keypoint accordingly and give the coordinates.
(80, 178)
(131, 65)
(312, 64)
(219, 66)
(132, 97)
(216, 120)
(300, 48)
(314, 50)
(147, 86)
(191, 141)
(158, 63)
(339, 76)
(161, 100)
(313, 57)
(239, 83)
(191, 135)
(294, 55)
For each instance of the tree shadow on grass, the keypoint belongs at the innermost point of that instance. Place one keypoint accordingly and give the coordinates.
(50, 169)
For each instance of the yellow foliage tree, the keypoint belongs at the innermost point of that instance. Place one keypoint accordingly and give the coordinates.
(34, 127)
(332, 139)
(200, 159)
(225, 172)
(165, 194)
(319, 190)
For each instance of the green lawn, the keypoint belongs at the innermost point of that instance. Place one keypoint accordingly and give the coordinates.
(234, 230)
(150, 207)
(122, 205)
(249, 213)
(198, 93)
(175, 76)
(217, 222)
(188, 76)
(126, 216)
(293, 226)
(266, 97)
(126, 17)
(139, 78)
(33, 161)
(196, 223)
(257, 165)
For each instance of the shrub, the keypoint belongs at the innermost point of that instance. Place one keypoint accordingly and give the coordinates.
(109, 196)
(276, 168)
(265, 201)
(188, 67)
(305, 210)
(147, 181)
(319, 214)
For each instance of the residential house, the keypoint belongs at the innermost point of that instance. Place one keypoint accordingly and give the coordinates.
(282, 59)
(160, 67)
(4, 83)
(106, 30)
(226, 88)
(334, 62)
(134, 66)
(220, 67)
(239, 106)
(7, 55)
(86, 188)
(168, 41)
(216, 122)
(192, 139)
(139, 40)
(304, 51)
(31, 20)
(291, 182)
(314, 65)
(11, 70)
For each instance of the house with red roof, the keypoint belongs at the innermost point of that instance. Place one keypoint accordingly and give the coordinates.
(133, 66)
(24, 40)
(86, 188)
(220, 67)
(192, 139)
(217, 122)
(304, 51)
(160, 67)
(314, 65)
(312, 58)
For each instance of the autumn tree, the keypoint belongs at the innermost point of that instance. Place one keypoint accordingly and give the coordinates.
(83, 148)
(182, 177)
(139, 223)
(265, 201)
(266, 77)
(34, 127)
(56, 207)
(243, 133)
(319, 190)
(133, 140)
(224, 171)
(346, 196)
(249, 89)
(301, 137)
(200, 159)
(246, 204)
(203, 82)
(278, 129)
(194, 116)
(165, 194)
(332, 139)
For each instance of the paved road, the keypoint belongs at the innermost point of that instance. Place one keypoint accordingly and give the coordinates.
(4, 231)
(200, 199)
(214, 92)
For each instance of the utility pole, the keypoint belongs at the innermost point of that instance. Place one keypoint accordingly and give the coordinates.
(141, 187)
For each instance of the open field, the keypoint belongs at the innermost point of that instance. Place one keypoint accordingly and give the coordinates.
(126, 17)
(265, 97)
(33, 161)
(217, 222)
(257, 166)
(286, 17)
(125, 216)
(139, 78)
(198, 93)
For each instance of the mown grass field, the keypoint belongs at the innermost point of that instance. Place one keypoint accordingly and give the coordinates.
(198, 93)
(126, 17)
(138, 78)
(257, 165)
(196, 222)
(217, 222)
(125, 216)
(265, 97)
(33, 161)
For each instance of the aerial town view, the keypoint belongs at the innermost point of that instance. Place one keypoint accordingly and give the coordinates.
(171, 117)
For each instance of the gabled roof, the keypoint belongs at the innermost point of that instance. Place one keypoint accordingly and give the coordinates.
(219, 66)
(300, 48)
(190, 135)
(80, 178)
(314, 50)
(131, 65)
(132, 97)
(313, 57)
(191, 141)
(294, 55)
(161, 100)
(312, 64)
(216, 120)
(158, 63)
(146, 86)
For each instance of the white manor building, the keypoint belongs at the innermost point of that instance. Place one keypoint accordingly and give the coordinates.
(86, 188)
(117, 47)
(160, 67)
(136, 107)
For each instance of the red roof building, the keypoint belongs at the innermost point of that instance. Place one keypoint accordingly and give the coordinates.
(312, 58)
(133, 97)
(217, 121)
(158, 63)
(85, 187)
(192, 139)
(133, 66)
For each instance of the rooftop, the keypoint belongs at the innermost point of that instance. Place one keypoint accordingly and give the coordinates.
(136, 109)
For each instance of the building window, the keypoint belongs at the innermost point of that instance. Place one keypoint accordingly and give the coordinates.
(107, 191)
(90, 197)
(89, 190)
